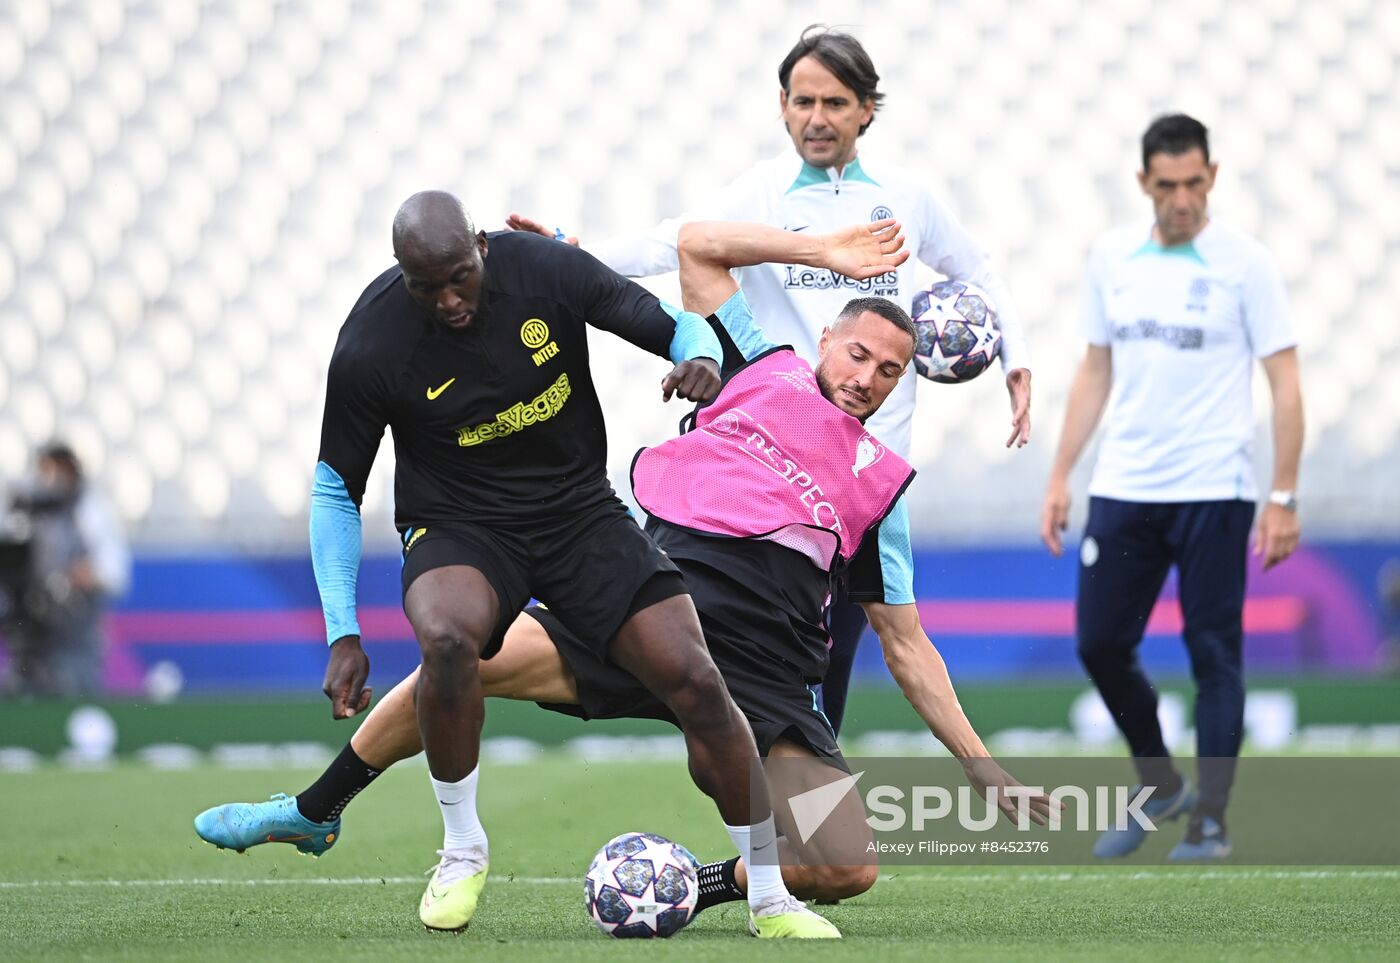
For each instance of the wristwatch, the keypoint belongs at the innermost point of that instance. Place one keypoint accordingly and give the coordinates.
(1284, 499)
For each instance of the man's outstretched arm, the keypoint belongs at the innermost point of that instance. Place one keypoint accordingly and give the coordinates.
(922, 676)
(710, 249)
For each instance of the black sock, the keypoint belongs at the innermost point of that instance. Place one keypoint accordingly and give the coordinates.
(1169, 787)
(717, 884)
(323, 800)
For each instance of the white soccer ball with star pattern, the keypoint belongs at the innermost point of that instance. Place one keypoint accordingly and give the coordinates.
(958, 334)
(642, 885)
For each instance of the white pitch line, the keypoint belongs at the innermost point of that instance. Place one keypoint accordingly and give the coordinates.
(954, 878)
(1139, 875)
(121, 883)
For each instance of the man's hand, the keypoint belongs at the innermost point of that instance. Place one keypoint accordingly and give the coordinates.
(694, 380)
(865, 250)
(1018, 385)
(346, 673)
(519, 222)
(1054, 515)
(1277, 534)
(985, 772)
(83, 575)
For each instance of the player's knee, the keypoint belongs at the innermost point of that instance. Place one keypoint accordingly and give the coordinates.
(843, 882)
(697, 695)
(859, 879)
(1217, 674)
(1215, 657)
(448, 642)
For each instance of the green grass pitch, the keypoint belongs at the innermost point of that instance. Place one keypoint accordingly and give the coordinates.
(105, 865)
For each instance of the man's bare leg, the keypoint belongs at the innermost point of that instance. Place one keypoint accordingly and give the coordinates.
(528, 668)
(807, 874)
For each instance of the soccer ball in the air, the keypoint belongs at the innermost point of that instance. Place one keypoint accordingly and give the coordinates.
(641, 885)
(958, 334)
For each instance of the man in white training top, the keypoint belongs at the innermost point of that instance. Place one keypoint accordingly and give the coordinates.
(1175, 312)
(829, 96)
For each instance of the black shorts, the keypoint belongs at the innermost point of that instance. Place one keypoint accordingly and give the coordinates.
(588, 569)
(771, 693)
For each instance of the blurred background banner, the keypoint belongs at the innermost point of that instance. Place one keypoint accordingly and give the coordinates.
(254, 623)
(192, 195)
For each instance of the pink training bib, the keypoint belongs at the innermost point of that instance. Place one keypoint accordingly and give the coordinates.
(771, 458)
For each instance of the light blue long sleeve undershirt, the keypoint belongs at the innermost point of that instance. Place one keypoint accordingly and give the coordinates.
(335, 550)
(738, 320)
(693, 338)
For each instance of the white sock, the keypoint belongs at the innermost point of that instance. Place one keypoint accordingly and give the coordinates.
(758, 845)
(461, 827)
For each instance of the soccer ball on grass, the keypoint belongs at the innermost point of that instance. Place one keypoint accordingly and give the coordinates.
(641, 885)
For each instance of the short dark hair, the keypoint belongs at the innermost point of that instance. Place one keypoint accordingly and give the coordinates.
(885, 308)
(843, 55)
(1174, 134)
(61, 453)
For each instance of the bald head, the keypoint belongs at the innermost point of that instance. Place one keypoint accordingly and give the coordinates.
(432, 225)
(441, 256)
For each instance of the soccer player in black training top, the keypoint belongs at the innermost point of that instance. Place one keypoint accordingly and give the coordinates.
(473, 352)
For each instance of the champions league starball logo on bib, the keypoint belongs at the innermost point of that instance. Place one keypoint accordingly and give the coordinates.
(868, 452)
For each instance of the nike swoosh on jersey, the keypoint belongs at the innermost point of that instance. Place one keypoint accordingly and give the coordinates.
(434, 392)
(796, 229)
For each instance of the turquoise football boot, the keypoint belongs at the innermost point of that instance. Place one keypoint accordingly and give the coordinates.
(238, 826)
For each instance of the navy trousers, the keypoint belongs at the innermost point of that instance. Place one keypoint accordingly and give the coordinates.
(1128, 549)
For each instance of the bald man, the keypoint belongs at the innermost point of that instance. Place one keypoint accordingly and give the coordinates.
(473, 352)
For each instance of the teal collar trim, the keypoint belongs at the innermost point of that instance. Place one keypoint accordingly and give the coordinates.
(1187, 250)
(854, 172)
(809, 176)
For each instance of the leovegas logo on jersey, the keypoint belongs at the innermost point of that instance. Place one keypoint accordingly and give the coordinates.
(522, 414)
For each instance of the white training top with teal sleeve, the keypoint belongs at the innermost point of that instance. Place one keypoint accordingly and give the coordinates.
(793, 303)
(1183, 325)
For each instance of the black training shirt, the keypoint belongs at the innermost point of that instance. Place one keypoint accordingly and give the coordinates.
(497, 423)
